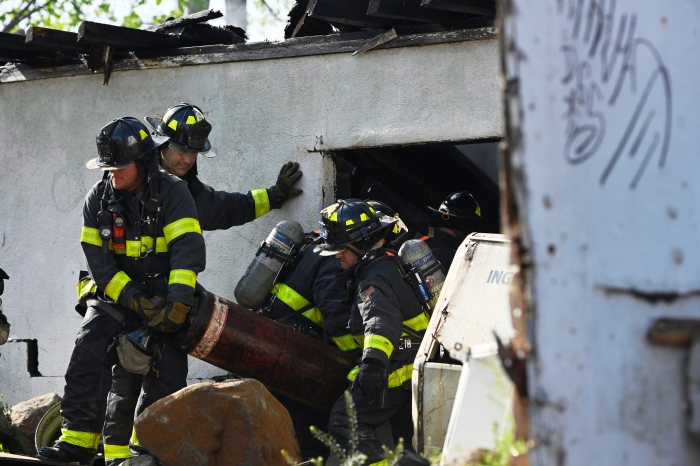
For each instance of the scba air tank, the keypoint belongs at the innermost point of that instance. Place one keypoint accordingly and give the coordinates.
(423, 270)
(280, 247)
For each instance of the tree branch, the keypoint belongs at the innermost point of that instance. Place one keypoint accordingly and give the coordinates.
(25, 12)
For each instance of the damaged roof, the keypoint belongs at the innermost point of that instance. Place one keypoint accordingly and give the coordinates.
(343, 25)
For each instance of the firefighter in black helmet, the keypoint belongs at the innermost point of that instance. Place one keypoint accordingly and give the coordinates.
(144, 248)
(456, 217)
(385, 318)
(187, 131)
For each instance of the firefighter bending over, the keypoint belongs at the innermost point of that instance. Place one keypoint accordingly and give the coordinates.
(144, 247)
(385, 315)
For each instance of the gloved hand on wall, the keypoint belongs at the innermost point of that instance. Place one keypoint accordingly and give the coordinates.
(372, 380)
(284, 188)
(171, 318)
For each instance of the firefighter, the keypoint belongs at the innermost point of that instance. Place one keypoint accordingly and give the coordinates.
(187, 132)
(144, 248)
(311, 298)
(458, 216)
(385, 316)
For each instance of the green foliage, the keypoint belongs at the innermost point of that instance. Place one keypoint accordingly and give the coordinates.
(67, 14)
(507, 447)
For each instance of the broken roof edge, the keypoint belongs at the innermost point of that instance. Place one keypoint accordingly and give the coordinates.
(213, 54)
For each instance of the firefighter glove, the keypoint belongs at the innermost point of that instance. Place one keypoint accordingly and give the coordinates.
(288, 177)
(372, 380)
(147, 308)
(171, 318)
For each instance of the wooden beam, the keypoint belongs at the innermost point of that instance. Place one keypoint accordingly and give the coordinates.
(54, 39)
(351, 12)
(411, 11)
(124, 38)
(474, 7)
(199, 17)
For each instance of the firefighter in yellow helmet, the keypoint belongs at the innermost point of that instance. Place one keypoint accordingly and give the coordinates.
(385, 317)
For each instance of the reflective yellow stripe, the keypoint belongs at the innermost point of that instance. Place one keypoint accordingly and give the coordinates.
(114, 452)
(134, 440)
(418, 323)
(133, 248)
(380, 463)
(399, 376)
(183, 277)
(180, 227)
(353, 373)
(81, 439)
(314, 315)
(90, 236)
(147, 243)
(291, 298)
(345, 342)
(84, 287)
(380, 343)
(261, 200)
(116, 285)
(360, 339)
(396, 378)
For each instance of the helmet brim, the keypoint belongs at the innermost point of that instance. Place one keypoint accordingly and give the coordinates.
(327, 250)
(95, 164)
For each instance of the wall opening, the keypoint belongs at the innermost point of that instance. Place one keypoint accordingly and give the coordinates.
(411, 178)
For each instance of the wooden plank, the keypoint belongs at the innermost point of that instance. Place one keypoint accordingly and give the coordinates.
(199, 17)
(474, 7)
(206, 34)
(299, 47)
(124, 38)
(411, 11)
(351, 12)
(10, 41)
(54, 39)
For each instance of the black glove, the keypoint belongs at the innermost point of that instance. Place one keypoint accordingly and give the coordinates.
(170, 318)
(372, 380)
(289, 175)
(147, 308)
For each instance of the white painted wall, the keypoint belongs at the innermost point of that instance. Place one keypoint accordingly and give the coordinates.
(606, 176)
(263, 112)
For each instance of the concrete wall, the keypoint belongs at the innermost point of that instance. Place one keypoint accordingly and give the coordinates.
(603, 121)
(263, 112)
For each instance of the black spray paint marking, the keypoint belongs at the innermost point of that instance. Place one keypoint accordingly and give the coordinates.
(608, 63)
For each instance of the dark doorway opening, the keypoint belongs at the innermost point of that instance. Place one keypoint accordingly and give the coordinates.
(411, 178)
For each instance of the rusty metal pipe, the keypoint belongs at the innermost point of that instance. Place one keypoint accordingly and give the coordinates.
(247, 344)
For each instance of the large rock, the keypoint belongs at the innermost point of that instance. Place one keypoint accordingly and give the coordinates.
(25, 416)
(218, 424)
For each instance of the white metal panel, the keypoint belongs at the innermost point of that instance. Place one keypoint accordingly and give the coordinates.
(474, 300)
(604, 117)
(441, 382)
(482, 408)
(473, 303)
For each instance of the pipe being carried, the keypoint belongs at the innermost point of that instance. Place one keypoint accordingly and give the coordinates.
(238, 340)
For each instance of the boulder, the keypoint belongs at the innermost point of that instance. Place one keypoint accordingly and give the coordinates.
(25, 416)
(218, 424)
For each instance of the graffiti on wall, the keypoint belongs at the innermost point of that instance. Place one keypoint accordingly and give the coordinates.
(617, 101)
